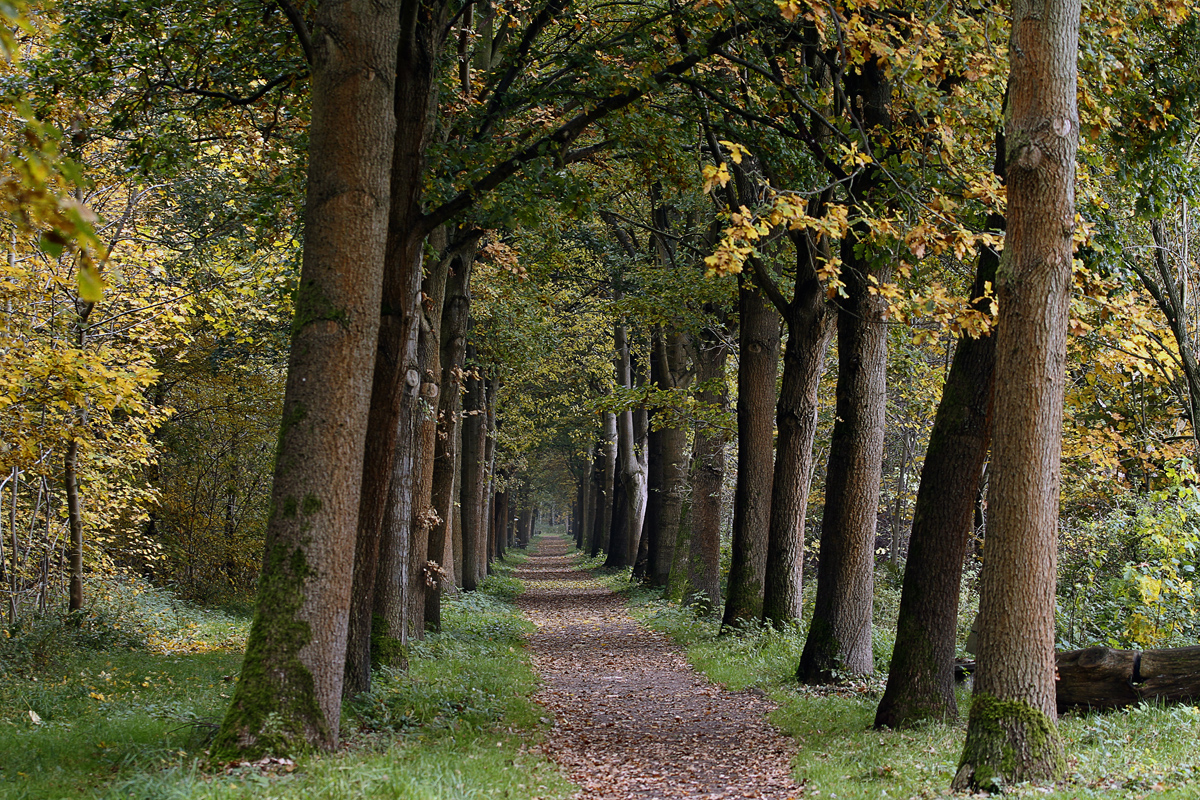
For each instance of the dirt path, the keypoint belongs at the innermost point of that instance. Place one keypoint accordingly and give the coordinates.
(632, 718)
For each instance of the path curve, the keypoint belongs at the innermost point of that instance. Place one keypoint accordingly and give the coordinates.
(632, 719)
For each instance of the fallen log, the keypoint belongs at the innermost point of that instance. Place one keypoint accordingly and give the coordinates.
(1105, 677)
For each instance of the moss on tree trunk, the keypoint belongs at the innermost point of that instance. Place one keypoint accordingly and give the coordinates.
(1008, 741)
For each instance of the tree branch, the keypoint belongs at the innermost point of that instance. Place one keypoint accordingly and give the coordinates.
(565, 134)
(299, 26)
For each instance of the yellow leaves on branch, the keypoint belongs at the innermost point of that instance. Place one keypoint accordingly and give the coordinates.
(782, 209)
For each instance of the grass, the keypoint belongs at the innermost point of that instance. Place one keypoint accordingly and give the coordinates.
(1134, 753)
(124, 699)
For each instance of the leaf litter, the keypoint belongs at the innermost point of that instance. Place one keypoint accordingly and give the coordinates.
(631, 718)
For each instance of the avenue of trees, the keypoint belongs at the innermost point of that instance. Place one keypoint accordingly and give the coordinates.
(338, 299)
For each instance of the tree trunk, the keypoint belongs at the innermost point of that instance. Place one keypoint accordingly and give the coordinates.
(605, 470)
(453, 332)
(632, 466)
(74, 521)
(1012, 733)
(810, 328)
(586, 484)
(920, 683)
(673, 462)
(392, 421)
(473, 500)
(708, 478)
(839, 638)
(395, 583)
(637, 552)
(759, 364)
(290, 690)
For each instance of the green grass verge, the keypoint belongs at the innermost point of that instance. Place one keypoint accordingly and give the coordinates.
(1134, 753)
(130, 721)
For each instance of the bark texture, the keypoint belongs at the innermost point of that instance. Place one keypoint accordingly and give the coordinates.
(452, 355)
(920, 683)
(759, 364)
(671, 485)
(473, 496)
(810, 328)
(385, 507)
(703, 563)
(1012, 733)
(839, 638)
(290, 689)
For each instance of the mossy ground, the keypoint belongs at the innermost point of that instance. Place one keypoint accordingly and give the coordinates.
(126, 720)
(1146, 751)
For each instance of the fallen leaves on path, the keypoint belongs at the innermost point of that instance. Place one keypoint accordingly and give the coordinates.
(632, 719)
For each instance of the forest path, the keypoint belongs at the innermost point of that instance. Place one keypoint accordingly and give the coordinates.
(632, 719)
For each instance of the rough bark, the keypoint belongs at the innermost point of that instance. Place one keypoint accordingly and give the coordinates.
(920, 683)
(1107, 678)
(810, 328)
(74, 522)
(839, 637)
(452, 355)
(392, 420)
(632, 465)
(604, 493)
(290, 689)
(707, 478)
(433, 293)
(672, 466)
(473, 500)
(759, 364)
(1011, 732)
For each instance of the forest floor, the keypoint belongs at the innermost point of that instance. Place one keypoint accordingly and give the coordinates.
(631, 717)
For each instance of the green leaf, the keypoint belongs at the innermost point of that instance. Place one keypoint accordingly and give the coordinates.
(91, 285)
(51, 244)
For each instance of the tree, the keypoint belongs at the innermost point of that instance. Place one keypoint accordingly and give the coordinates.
(1012, 732)
(290, 689)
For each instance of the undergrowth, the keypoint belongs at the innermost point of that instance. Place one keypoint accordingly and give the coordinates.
(120, 703)
(1123, 754)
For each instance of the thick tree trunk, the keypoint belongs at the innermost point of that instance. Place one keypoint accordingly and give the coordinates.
(500, 524)
(707, 479)
(1012, 733)
(433, 292)
(670, 473)
(395, 585)
(473, 499)
(839, 638)
(453, 333)
(290, 690)
(759, 364)
(810, 327)
(391, 423)
(920, 683)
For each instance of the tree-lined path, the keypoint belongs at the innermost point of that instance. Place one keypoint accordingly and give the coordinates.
(631, 717)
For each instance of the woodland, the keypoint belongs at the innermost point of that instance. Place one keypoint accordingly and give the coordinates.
(853, 343)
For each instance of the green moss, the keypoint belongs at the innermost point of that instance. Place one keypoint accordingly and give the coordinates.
(386, 650)
(274, 708)
(312, 304)
(289, 508)
(312, 504)
(1008, 741)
